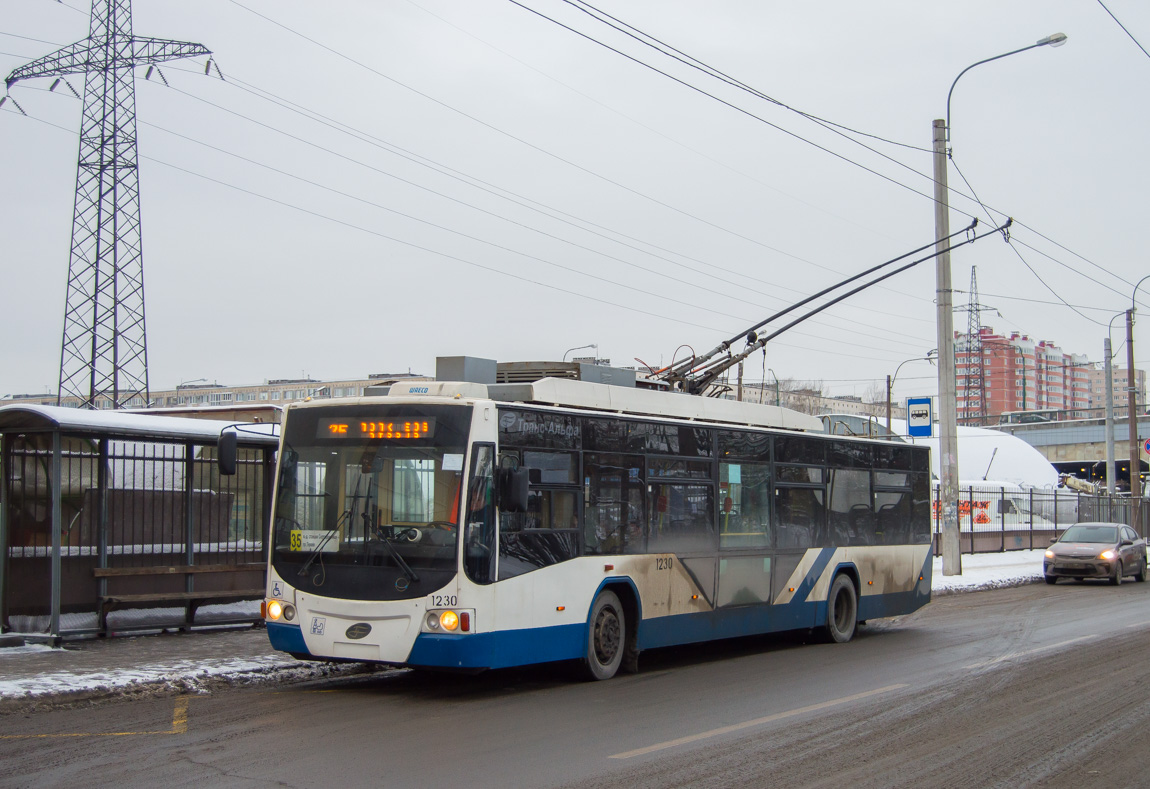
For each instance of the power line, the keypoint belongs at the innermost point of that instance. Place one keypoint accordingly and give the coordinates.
(522, 141)
(646, 270)
(733, 82)
(629, 308)
(734, 107)
(693, 62)
(1124, 30)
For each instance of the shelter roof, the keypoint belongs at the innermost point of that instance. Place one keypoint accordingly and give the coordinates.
(119, 424)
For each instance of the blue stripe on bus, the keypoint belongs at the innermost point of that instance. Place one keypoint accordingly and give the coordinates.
(813, 575)
(499, 649)
(725, 623)
(287, 638)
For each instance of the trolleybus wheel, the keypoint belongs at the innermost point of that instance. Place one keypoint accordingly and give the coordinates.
(842, 610)
(606, 636)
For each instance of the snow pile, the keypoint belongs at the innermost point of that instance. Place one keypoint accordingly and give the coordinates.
(184, 676)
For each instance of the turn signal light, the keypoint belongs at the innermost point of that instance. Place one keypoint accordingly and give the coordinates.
(449, 620)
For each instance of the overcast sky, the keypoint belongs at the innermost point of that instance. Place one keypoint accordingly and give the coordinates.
(374, 184)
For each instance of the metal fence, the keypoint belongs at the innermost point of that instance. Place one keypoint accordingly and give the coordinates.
(107, 533)
(994, 518)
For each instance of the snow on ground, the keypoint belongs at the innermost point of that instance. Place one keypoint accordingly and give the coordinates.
(989, 571)
(52, 677)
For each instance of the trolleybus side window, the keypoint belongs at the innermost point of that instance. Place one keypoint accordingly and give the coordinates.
(894, 506)
(479, 552)
(800, 507)
(682, 518)
(851, 511)
(548, 532)
(744, 505)
(613, 503)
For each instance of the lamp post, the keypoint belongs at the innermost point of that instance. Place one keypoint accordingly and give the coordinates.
(1111, 471)
(1132, 398)
(580, 348)
(890, 379)
(947, 392)
(772, 372)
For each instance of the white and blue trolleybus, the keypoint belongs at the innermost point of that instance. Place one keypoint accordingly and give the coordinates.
(472, 526)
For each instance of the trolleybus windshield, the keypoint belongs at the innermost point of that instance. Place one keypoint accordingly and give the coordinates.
(368, 501)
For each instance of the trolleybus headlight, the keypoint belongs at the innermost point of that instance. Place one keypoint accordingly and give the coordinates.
(289, 612)
(449, 620)
(433, 621)
(275, 609)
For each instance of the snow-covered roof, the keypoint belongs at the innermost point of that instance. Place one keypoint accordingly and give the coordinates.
(119, 424)
(617, 400)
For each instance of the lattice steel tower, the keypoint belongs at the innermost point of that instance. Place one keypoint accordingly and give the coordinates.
(104, 349)
(974, 394)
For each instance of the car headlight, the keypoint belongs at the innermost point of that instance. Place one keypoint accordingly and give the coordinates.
(1049, 554)
(1108, 555)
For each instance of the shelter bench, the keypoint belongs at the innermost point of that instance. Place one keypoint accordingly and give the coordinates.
(191, 600)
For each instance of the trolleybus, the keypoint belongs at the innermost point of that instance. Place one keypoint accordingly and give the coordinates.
(474, 526)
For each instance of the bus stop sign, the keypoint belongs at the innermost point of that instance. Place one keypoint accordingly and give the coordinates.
(919, 417)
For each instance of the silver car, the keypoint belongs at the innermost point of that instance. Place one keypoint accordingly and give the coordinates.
(1096, 550)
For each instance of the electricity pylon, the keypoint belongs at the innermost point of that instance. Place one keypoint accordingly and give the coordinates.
(974, 395)
(104, 353)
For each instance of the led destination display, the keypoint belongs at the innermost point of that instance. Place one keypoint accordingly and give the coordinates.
(393, 428)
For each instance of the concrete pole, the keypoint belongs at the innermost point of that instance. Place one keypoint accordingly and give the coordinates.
(888, 385)
(1132, 409)
(1110, 471)
(947, 387)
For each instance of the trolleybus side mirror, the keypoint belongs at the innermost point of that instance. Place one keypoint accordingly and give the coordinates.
(513, 487)
(226, 452)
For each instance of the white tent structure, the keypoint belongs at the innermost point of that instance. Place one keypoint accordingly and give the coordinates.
(990, 455)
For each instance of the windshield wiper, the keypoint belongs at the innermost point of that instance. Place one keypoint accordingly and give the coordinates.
(317, 550)
(399, 560)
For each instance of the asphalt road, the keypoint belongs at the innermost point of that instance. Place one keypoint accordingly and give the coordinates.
(1031, 686)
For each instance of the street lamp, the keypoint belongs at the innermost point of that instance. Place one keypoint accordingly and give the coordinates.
(890, 379)
(1132, 398)
(947, 392)
(581, 347)
(772, 372)
(1108, 371)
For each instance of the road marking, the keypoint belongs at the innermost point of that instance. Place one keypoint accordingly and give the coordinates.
(179, 726)
(180, 716)
(756, 722)
(1013, 655)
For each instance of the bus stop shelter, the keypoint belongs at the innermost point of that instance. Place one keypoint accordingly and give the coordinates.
(113, 521)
